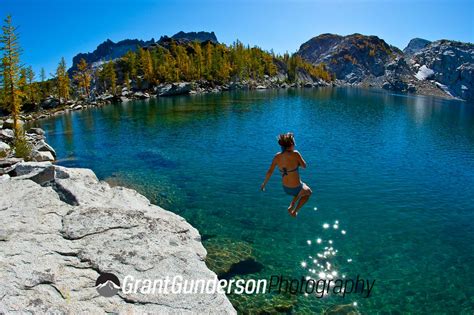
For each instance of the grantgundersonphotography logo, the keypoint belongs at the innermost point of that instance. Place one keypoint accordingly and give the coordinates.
(107, 284)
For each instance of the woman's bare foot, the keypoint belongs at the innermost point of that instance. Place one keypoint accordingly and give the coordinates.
(291, 207)
(292, 212)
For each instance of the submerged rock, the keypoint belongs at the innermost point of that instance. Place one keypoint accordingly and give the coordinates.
(262, 304)
(224, 253)
(345, 309)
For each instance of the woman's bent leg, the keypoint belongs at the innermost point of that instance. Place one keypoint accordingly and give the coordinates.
(305, 194)
(292, 204)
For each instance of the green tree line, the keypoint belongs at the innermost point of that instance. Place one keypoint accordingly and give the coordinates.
(217, 63)
(144, 68)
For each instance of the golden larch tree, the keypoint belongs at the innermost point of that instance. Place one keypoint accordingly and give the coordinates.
(62, 81)
(83, 77)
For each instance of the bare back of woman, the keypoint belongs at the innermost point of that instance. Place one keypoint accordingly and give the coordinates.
(289, 161)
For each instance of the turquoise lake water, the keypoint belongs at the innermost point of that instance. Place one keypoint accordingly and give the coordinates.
(395, 171)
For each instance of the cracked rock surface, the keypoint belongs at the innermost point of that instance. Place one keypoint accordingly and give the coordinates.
(57, 237)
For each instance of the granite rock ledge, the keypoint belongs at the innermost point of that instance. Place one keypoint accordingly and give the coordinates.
(62, 227)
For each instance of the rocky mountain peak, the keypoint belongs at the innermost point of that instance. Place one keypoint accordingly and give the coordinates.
(195, 36)
(415, 45)
(443, 67)
(350, 57)
(109, 49)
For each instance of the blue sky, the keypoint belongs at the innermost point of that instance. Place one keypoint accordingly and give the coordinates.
(50, 29)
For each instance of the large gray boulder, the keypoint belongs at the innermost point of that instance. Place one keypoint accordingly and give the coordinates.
(4, 149)
(9, 123)
(42, 146)
(141, 95)
(50, 102)
(57, 239)
(174, 89)
(105, 97)
(36, 131)
(41, 156)
(395, 84)
(7, 165)
(39, 172)
(7, 134)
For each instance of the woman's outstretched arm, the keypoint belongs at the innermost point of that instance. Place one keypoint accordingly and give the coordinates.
(269, 174)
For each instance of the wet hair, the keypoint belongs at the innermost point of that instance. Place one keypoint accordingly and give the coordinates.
(286, 140)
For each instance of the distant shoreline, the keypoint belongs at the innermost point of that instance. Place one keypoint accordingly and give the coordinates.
(106, 99)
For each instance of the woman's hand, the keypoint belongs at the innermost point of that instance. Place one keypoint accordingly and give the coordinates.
(269, 173)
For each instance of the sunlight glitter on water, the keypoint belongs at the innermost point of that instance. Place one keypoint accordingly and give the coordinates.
(324, 266)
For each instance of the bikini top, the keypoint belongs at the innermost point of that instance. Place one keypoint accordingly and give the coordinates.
(285, 171)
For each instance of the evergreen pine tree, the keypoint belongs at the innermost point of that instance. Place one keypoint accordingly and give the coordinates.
(10, 68)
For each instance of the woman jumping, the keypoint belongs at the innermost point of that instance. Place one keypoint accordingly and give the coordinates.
(288, 161)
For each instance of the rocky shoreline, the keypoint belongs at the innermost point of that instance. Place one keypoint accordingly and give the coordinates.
(50, 107)
(62, 228)
(40, 151)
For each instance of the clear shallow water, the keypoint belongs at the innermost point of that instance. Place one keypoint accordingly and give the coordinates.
(396, 171)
